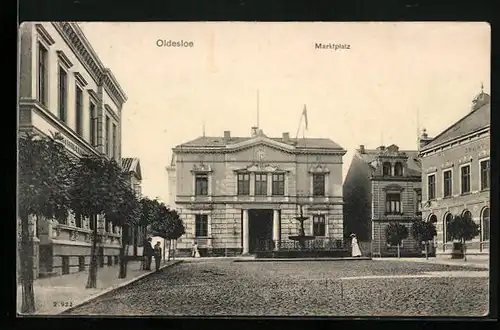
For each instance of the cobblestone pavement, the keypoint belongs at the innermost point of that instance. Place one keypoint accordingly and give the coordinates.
(222, 287)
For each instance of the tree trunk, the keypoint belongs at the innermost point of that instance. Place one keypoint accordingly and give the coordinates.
(26, 258)
(174, 250)
(426, 253)
(399, 255)
(123, 261)
(464, 248)
(169, 249)
(92, 280)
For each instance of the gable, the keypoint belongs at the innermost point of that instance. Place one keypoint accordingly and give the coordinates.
(260, 153)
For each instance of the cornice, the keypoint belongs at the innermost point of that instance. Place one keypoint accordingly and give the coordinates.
(80, 79)
(42, 32)
(111, 112)
(76, 40)
(64, 59)
(427, 150)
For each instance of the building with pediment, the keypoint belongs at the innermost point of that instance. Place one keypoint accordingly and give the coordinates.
(382, 185)
(65, 89)
(456, 176)
(235, 192)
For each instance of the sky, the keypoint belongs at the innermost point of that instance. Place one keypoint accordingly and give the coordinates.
(392, 80)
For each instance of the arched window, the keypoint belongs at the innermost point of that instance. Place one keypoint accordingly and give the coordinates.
(466, 214)
(485, 224)
(433, 218)
(386, 168)
(446, 235)
(398, 169)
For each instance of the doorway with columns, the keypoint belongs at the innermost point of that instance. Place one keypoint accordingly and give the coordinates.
(261, 229)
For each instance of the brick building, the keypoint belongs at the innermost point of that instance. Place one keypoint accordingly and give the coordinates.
(456, 176)
(64, 88)
(234, 192)
(382, 185)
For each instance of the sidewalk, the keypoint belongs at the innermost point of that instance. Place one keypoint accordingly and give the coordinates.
(54, 295)
(471, 261)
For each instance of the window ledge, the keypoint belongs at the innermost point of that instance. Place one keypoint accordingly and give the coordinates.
(447, 197)
(466, 193)
(485, 189)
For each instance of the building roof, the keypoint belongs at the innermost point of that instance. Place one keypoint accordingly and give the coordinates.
(132, 165)
(369, 156)
(207, 141)
(475, 120)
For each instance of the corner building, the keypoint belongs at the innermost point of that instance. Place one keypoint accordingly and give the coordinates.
(64, 88)
(233, 193)
(456, 176)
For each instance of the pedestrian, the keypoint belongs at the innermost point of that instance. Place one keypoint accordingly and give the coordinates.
(194, 251)
(148, 254)
(356, 252)
(157, 253)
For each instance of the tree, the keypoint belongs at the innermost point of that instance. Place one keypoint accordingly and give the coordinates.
(149, 213)
(44, 179)
(395, 233)
(177, 229)
(96, 183)
(167, 225)
(125, 212)
(463, 229)
(423, 231)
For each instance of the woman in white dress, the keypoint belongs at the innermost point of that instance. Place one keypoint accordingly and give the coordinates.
(356, 252)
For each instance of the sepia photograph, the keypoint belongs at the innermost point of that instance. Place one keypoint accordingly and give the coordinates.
(253, 169)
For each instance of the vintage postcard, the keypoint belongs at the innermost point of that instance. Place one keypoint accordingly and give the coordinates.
(254, 169)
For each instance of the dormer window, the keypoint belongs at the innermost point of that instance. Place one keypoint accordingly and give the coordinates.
(398, 169)
(386, 168)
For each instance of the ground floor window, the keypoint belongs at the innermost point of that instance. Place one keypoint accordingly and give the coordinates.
(201, 225)
(447, 220)
(319, 225)
(485, 224)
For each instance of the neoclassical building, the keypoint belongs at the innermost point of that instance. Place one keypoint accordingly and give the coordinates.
(456, 176)
(235, 192)
(65, 88)
(382, 185)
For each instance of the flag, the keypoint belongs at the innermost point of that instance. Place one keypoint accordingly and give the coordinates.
(304, 113)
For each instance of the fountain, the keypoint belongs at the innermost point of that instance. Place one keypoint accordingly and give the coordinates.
(302, 238)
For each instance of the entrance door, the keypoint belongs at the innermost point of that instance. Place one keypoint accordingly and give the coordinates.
(260, 223)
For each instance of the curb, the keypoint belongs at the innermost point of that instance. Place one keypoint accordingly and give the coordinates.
(115, 286)
(301, 259)
(443, 263)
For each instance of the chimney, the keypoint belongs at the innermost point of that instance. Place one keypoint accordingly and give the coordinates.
(255, 131)
(361, 149)
(286, 137)
(424, 139)
(227, 135)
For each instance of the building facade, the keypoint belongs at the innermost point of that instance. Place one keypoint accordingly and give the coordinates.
(382, 185)
(235, 192)
(134, 236)
(64, 88)
(456, 176)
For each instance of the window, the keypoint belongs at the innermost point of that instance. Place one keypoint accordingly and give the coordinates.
(386, 168)
(446, 234)
(431, 186)
(79, 111)
(485, 225)
(433, 218)
(42, 74)
(243, 184)
(92, 221)
(201, 225)
(393, 203)
(318, 185)
(465, 175)
(113, 151)
(260, 184)
(485, 174)
(419, 202)
(319, 225)
(78, 221)
(398, 169)
(201, 182)
(447, 183)
(63, 96)
(93, 124)
(106, 145)
(279, 184)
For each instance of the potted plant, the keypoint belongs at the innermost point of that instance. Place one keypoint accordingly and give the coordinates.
(462, 229)
(395, 233)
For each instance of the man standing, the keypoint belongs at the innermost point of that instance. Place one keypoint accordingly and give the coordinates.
(157, 253)
(148, 254)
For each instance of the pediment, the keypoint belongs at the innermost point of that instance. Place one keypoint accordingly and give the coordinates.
(393, 187)
(202, 168)
(268, 168)
(260, 141)
(319, 168)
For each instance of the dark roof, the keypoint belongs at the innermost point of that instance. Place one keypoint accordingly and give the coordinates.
(414, 166)
(473, 121)
(300, 143)
(127, 164)
(132, 165)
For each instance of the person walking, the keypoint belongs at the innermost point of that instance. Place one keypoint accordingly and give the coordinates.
(157, 254)
(194, 251)
(356, 252)
(148, 254)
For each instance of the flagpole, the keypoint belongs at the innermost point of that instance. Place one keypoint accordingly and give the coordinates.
(258, 101)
